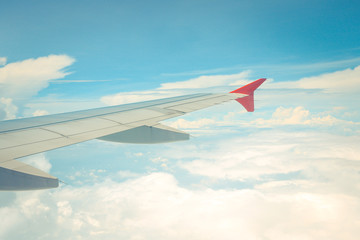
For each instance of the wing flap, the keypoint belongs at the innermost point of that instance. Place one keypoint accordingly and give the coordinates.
(15, 175)
(148, 135)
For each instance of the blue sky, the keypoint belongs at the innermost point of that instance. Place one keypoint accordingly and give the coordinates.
(290, 170)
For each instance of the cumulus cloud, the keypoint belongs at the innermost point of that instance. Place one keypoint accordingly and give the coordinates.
(39, 161)
(21, 80)
(7, 109)
(26, 78)
(300, 116)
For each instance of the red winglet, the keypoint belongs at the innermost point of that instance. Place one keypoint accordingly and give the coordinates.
(248, 101)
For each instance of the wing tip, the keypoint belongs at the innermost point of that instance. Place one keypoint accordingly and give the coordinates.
(250, 88)
(248, 101)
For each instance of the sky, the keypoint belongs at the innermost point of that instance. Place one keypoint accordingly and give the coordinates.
(290, 170)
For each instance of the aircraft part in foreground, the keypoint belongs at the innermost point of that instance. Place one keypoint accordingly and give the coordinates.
(129, 123)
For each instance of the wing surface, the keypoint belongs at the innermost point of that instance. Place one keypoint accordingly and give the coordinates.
(133, 123)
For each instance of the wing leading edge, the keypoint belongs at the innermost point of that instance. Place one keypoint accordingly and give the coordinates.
(129, 123)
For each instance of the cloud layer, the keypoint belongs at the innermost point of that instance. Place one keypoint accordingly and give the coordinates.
(155, 206)
(283, 174)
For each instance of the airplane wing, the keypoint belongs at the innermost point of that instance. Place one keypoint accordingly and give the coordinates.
(129, 123)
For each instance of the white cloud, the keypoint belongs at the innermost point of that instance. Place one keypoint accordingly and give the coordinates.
(300, 116)
(282, 116)
(347, 80)
(178, 88)
(183, 123)
(28, 77)
(3, 61)
(21, 80)
(271, 152)
(156, 207)
(127, 174)
(240, 161)
(38, 161)
(206, 81)
(7, 109)
(40, 113)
